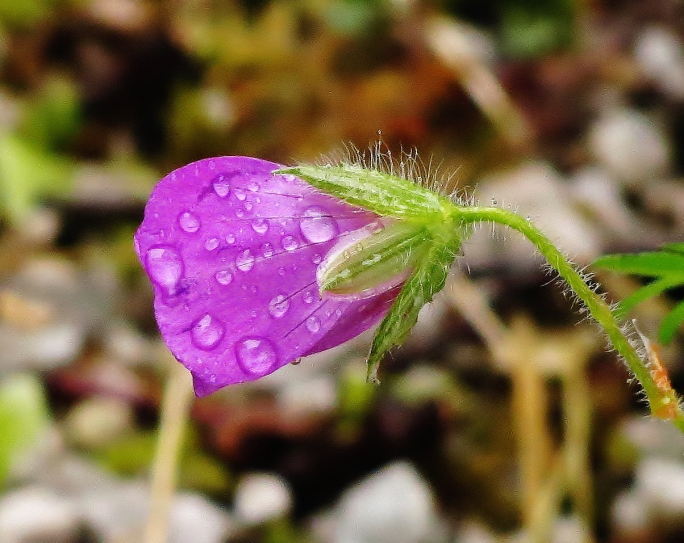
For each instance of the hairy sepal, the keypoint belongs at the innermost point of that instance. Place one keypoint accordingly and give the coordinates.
(374, 190)
(427, 279)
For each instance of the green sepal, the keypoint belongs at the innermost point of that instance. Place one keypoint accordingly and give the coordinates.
(380, 192)
(426, 280)
(374, 259)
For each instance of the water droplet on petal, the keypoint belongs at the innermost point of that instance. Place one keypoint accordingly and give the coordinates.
(239, 213)
(211, 244)
(254, 289)
(308, 297)
(290, 243)
(313, 325)
(245, 260)
(189, 222)
(260, 226)
(278, 306)
(281, 271)
(256, 355)
(224, 277)
(165, 267)
(317, 225)
(253, 186)
(267, 250)
(230, 239)
(240, 194)
(221, 185)
(206, 332)
(316, 259)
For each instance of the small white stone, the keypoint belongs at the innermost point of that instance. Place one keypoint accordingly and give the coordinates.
(569, 529)
(260, 497)
(393, 504)
(316, 394)
(660, 483)
(98, 421)
(194, 519)
(659, 54)
(629, 514)
(37, 514)
(630, 146)
(598, 191)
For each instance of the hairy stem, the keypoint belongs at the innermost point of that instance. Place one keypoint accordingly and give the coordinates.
(660, 399)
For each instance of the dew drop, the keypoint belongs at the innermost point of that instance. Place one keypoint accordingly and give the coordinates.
(256, 355)
(165, 267)
(290, 243)
(313, 325)
(245, 260)
(281, 271)
(254, 289)
(230, 239)
(317, 225)
(240, 194)
(308, 297)
(253, 186)
(206, 332)
(239, 213)
(267, 250)
(278, 306)
(260, 226)
(248, 206)
(189, 222)
(316, 259)
(221, 185)
(224, 277)
(211, 244)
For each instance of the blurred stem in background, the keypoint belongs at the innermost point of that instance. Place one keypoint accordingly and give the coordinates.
(174, 415)
(531, 357)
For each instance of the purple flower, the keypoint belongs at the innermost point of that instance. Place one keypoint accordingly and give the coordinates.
(232, 251)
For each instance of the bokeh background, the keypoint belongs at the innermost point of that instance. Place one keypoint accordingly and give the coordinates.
(502, 419)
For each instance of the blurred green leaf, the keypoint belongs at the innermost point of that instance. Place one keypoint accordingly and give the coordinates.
(667, 266)
(53, 117)
(533, 29)
(24, 13)
(28, 175)
(653, 264)
(671, 323)
(23, 414)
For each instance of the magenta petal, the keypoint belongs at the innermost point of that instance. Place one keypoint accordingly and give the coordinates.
(232, 253)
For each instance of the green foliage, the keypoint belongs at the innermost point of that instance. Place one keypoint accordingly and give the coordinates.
(666, 266)
(525, 28)
(53, 117)
(28, 174)
(532, 29)
(23, 414)
(24, 13)
(133, 455)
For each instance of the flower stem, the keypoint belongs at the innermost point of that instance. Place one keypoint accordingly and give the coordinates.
(662, 399)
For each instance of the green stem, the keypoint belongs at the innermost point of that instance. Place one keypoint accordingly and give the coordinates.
(660, 400)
